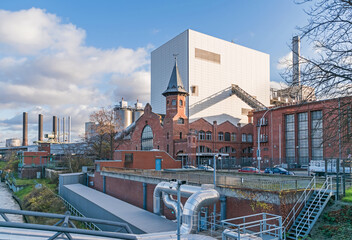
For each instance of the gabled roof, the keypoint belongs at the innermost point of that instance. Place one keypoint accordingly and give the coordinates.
(175, 84)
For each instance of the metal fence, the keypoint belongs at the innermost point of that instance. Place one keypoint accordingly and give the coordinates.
(229, 180)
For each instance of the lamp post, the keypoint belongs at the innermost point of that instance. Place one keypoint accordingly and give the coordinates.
(178, 186)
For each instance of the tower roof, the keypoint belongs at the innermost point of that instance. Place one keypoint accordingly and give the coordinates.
(175, 84)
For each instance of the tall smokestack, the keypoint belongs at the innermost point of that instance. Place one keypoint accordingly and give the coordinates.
(296, 72)
(55, 127)
(40, 127)
(58, 129)
(69, 128)
(25, 129)
(63, 130)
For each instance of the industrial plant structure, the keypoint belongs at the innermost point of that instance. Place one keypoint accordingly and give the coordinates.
(209, 67)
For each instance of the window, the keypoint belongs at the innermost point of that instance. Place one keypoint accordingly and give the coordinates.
(147, 138)
(233, 150)
(317, 135)
(167, 148)
(201, 149)
(249, 138)
(201, 135)
(167, 135)
(221, 136)
(208, 150)
(180, 135)
(302, 137)
(233, 137)
(208, 136)
(290, 137)
(180, 103)
(129, 157)
(227, 136)
(97, 167)
(244, 137)
(173, 102)
(180, 121)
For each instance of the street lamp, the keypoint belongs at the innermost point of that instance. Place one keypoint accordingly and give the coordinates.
(178, 186)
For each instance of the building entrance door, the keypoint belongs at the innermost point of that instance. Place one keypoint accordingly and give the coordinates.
(158, 164)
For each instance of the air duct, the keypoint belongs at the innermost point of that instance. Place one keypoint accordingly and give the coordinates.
(198, 197)
(40, 128)
(171, 203)
(25, 129)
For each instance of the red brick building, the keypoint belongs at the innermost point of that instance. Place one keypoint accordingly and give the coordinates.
(194, 143)
(296, 134)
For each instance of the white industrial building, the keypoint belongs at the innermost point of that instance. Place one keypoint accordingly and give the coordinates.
(208, 67)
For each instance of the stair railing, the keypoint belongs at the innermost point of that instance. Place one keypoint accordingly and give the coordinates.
(301, 202)
(306, 217)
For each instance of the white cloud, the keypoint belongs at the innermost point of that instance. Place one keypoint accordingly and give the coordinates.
(285, 61)
(278, 85)
(44, 62)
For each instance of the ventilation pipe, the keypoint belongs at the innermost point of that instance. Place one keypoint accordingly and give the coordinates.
(170, 188)
(171, 203)
(40, 127)
(198, 197)
(25, 129)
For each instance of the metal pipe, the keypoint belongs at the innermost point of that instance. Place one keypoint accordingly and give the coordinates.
(145, 196)
(192, 207)
(170, 188)
(171, 203)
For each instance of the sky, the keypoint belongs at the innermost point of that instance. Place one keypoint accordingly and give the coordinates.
(70, 58)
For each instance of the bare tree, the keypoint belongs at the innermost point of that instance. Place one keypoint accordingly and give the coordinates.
(329, 69)
(106, 125)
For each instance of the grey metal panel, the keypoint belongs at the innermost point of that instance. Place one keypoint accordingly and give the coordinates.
(95, 204)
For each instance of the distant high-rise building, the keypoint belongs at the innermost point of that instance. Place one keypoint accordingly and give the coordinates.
(208, 67)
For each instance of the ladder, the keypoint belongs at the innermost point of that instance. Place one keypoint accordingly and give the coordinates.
(247, 98)
(312, 207)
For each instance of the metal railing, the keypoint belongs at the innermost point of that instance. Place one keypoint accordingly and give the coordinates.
(228, 180)
(317, 202)
(253, 226)
(301, 202)
(65, 225)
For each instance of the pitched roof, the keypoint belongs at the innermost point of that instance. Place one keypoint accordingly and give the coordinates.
(175, 83)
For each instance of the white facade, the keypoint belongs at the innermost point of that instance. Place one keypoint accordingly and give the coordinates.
(209, 66)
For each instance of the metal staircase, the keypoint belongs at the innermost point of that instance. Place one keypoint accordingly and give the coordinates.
(307, 210)
(247, 98)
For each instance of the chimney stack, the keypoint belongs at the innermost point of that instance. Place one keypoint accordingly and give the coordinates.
(58, 129)
(69, 128)
(63, 130)
(40, 128)
(296, 75)
(25, 129)
(55, 127)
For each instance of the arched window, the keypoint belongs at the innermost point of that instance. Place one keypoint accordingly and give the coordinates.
(147, 138)
(201, 135)
(221, 136)
(208, 135)
(209, 150)
(201, 149)
(180, 121)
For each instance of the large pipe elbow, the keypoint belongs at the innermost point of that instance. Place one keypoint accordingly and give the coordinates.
(192, 207)
(171, 203)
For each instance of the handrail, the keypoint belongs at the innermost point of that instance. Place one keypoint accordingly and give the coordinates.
(286, 223)
(328, 183)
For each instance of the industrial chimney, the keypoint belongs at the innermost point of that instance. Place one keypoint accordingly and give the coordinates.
(25, 129)
(55, 128)
(296, 75)
(69, 128)
(40, 128)
(63, 130)
(58, 129)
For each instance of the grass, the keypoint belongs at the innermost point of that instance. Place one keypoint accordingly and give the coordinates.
(2, 165)
(29, 185)
(348, 197)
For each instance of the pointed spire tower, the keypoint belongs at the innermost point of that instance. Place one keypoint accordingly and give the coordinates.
(175, 94)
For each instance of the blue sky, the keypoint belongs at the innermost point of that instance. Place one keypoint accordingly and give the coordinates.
(77, 54)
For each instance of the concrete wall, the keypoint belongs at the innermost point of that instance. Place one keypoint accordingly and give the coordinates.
(71, 178)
